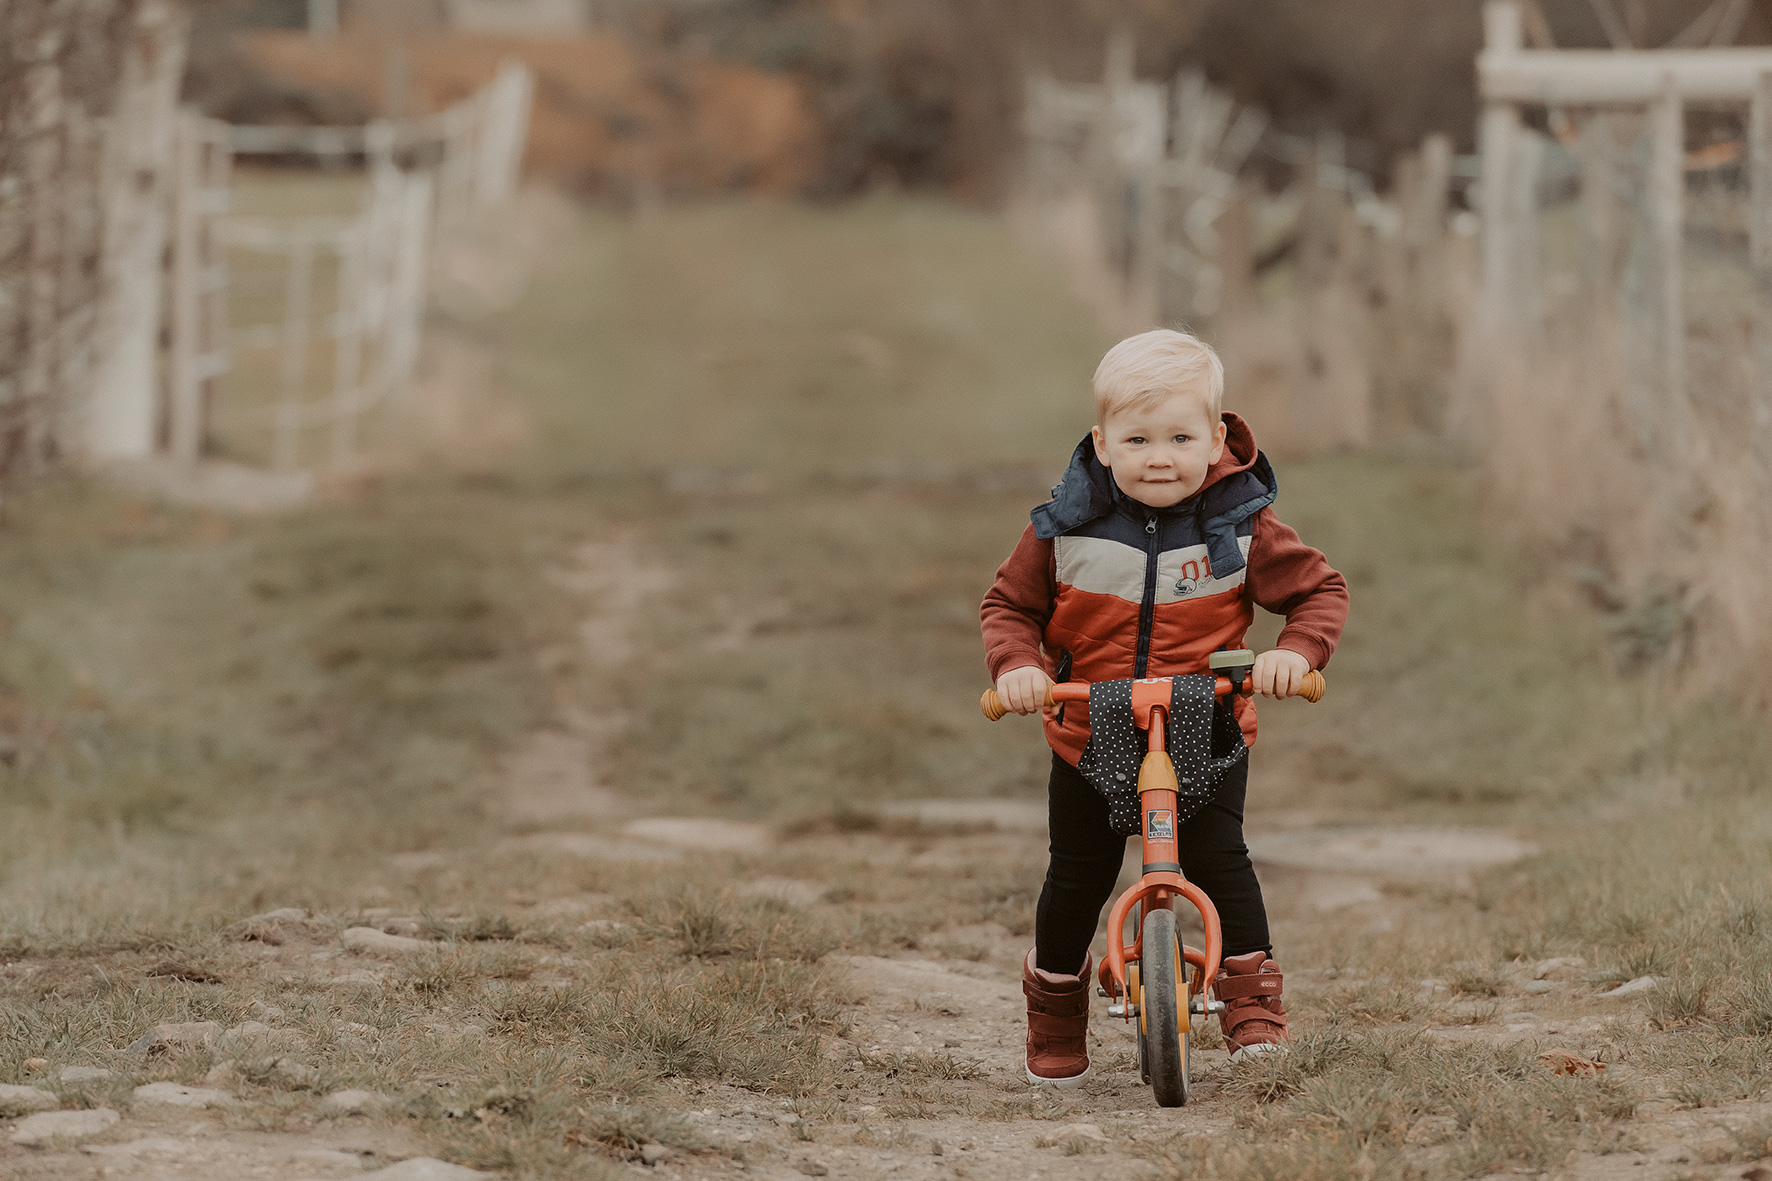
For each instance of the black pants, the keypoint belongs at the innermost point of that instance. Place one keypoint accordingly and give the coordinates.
(1086, 857)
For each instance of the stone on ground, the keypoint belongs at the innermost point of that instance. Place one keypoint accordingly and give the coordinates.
(425, 1168)
(1005, 815)
(46, 1127)
(19, 1100)
(1633, 987)
(707, 833)
(652, 1154)
(292, 1075)
(786, 890)
(174, 1036)
(1397, 852)
(224, 1075)
(83, 1074)
(179, 1095)
(351, 1102)
(373, 942)
(587, 846)
(273, 927)
(1070, 1133)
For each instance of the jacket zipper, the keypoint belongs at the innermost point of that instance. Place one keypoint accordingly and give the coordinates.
(1148, 608)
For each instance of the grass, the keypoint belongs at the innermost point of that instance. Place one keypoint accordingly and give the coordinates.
(830, 424)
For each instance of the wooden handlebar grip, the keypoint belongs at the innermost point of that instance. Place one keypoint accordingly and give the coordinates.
(993, 706)
(1314, 687)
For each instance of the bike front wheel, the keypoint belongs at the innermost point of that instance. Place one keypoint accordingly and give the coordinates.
(1163, 1014)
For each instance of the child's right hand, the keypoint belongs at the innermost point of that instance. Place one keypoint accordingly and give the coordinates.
(1023, 690)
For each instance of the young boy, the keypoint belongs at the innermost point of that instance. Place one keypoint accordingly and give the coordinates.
(1151, 555)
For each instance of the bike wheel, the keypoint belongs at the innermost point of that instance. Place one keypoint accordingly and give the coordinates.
(1136, 996)
(1163, 1015)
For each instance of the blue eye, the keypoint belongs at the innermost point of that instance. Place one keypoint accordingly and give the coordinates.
(1136, 439)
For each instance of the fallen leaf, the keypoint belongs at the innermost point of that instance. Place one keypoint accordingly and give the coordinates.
(1563, 1062)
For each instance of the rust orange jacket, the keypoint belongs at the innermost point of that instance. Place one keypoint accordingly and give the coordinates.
(1103, 587)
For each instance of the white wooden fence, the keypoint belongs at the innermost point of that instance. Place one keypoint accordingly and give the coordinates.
(1177, 233)
(1625, 392)
(329, 356)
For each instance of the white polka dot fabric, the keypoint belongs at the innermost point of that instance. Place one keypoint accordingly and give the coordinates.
(1117, 747)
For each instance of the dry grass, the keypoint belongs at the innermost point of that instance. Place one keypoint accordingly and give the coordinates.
(202, 719)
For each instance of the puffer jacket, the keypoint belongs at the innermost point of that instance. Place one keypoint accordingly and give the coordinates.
(1102, 587)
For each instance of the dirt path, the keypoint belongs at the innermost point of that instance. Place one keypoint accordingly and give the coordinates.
(926, 1049)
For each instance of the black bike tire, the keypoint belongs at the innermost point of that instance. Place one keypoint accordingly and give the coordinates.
(1163, 1016)
(1135, 995)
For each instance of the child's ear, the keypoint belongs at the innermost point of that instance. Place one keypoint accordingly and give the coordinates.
(1101, 444)
(1217, 442)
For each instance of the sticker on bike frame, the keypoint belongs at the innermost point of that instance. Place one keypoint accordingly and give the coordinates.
(1159, 826)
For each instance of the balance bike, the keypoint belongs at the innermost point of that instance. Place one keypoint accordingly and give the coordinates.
(1149, 978)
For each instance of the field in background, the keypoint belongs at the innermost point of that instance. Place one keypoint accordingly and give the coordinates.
(774, 457)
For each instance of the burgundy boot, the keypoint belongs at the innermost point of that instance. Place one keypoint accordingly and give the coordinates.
(1254, 1017)
(1058, 1025)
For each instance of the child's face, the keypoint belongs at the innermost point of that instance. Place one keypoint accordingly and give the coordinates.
(1159, 456)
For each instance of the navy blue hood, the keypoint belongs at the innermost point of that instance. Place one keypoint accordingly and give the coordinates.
(1237, 487)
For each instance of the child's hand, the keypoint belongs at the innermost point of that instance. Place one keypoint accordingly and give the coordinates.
(1023, 690)
(1279, 672)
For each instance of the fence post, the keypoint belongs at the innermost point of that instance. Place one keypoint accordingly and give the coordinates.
(1500, 129)
(44, 154)
(184, 320)
(1520, 216)
(297, 307)
(123, 411)
(1760, 249)
(1236, 259)
(1667, 211)
(506, 116)
(1109, 177)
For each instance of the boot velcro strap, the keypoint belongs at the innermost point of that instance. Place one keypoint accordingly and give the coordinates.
(1254, 984)
(1235, 1019)
(1058, 1022)
(1073, 1003)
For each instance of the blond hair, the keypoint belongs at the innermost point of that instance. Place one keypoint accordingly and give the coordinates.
(1142, 369)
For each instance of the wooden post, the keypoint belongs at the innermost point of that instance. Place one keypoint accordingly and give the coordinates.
(184, 305)
(1667, 212)
(1436, 188)
(1319, 218)
(218, 170)
(123, 407)
(1760, 250)
(1236, 261)
(347, 354)
(1599, 206)
(1525, 310)
(44, 194)
(297, 307)
(1497, 135)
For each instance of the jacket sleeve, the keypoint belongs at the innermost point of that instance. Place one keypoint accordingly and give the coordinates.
(1290, 578)
(1018, 606)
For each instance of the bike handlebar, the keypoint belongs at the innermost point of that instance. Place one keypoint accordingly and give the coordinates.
(1312, 690)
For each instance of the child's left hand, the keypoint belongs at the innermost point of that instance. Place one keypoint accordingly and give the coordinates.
(1279, 672)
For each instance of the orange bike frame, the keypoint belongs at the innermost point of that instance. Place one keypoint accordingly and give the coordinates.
(1162, 880)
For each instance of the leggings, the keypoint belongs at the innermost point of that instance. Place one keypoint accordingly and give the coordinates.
(1086, 857)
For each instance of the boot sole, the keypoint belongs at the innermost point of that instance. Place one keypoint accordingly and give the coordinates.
(1258, 1048)
(1075, 1080)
